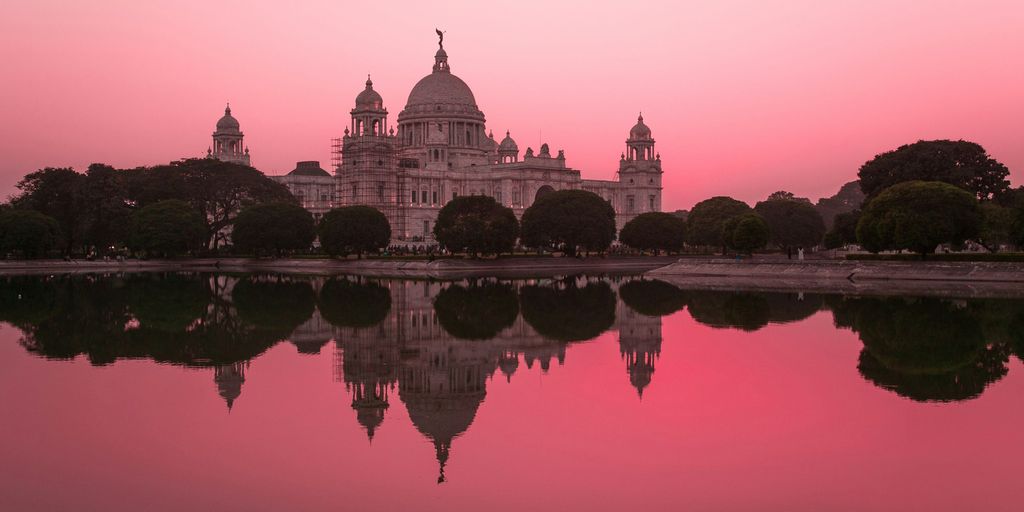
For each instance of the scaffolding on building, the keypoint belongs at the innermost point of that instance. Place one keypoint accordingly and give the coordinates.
(369, 174)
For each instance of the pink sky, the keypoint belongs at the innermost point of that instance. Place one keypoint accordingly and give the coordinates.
(744, 98)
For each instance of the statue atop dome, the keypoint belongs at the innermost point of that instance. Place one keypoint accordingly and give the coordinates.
(440, 38)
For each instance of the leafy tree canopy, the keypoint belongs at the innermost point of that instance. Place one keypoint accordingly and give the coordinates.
(746, 233)
(918, 216)
(355, 229)
(792, 223)
(960, 163)
(476, 224)
(27, 232)
(167, 228)
(273, 228)
(707, 218)
(849, 198)
(570, 218)
(654, 231)
(217, 190)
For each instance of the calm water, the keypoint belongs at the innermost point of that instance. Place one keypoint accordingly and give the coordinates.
(184, 391)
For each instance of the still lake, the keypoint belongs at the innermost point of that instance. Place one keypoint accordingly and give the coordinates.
(189, 391)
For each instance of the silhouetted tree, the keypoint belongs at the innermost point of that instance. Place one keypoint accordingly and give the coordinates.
(106, 209)
(476, 224)
(844, 230)
(654, 231)
(28, 233)
(746, 233)
(57, 193)
(997, 223)
(167, 228)
(918, 216)
(849, 198)
(273, 228)
(791, 223)
(355, 229)
(960, 163)
(571, 219)
(217, 190)
(707, 218)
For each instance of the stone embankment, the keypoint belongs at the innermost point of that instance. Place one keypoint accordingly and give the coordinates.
(519, 267)
(953, 279)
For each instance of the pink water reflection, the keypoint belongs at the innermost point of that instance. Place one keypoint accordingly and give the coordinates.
(776, 419)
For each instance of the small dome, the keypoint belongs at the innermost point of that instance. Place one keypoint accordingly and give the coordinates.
(507, 144)
(368, 98)
(640, 130)
(309, 168)
(227, 123)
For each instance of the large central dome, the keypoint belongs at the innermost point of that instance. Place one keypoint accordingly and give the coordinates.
(441, 93)
(441, 89)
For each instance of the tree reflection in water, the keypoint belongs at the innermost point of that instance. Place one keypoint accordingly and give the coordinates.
(478, 311)
(566, 311)
(439, 343)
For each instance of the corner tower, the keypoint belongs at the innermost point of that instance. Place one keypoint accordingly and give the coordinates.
(639, 174)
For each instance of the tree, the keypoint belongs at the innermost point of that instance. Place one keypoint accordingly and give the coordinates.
(105, 207)
(792, 223)
(781, 195)
(746, 233)
(997, 223)
(706, 219)
(355, 229)
(55, 192)
(274, 228)
(27, 232)
(476, 224)
(849, 198)
(571, 219)
(918, 216)
(654, 231)
(960, 163)
(167, 228)
(217, 190)
(844, 230)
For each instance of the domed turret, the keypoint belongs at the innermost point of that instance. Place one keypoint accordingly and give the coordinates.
(369, 99)
(640, 131)
(227, 123)
(508, 150)
(369, 117)
(227, 141)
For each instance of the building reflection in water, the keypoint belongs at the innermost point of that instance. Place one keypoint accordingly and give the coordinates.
(437, 344)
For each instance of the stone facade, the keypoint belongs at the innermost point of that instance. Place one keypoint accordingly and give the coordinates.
(441, 149)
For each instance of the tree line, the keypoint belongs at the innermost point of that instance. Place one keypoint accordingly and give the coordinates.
(915, 198)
